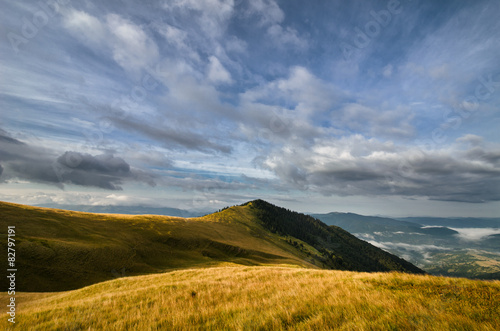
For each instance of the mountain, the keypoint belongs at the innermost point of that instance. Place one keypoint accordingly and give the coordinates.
(463, 247)
(355, 223)
(129, 210)
(360, 223)
(340, 249)
(61, 250)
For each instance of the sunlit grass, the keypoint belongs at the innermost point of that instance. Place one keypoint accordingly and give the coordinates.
(253, 298)
(62, 250)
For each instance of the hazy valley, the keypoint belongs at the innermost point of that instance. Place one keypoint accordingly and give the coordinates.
(459, 247)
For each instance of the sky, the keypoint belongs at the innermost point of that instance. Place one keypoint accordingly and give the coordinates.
(373, 107)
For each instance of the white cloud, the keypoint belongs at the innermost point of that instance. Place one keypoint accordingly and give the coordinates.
(211, 16)
(128, 44)
(410, 247)
(474, 234)
(286, 37)
(471, 139)
(311, 94)
(217, 73)
(86, 27)
(381, 121)
(132, 48)
(304, 94)
(270, 16)
(236, 45)
(268, 11)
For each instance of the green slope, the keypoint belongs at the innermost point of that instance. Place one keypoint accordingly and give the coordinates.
(60, 250)
(339, 249)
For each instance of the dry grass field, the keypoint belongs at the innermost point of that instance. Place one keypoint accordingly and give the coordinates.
(266, 298)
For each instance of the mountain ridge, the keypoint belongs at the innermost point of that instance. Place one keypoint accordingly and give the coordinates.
(61, 250)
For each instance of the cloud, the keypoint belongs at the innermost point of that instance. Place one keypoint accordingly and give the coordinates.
(128, 44)
(443, 65)
(259, 85)
(170, 137)
(132, 47)
(287, 108)
(217, 73)
(475, 234)
(472, 139)
(42, 165)
(236, 45)
(358, 166)
(379, 122)
(410, 251)
(270, 16)
(409, 247)
(210, 17)
(268, 12)
(286, 37)
(87, 27)
(387, 71)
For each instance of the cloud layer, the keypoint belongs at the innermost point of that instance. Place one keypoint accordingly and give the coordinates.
(39, 165)
(254, 99)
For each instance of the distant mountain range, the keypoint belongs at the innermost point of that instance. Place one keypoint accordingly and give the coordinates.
(463, 247)
(130, 210)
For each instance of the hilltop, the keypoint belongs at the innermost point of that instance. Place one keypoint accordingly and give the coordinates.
(63, 250)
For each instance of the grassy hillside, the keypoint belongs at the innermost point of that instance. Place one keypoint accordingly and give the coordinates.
(264, 298)
(61, 250)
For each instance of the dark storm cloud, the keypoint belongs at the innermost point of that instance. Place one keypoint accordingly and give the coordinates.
(41, 165)
(105, 164)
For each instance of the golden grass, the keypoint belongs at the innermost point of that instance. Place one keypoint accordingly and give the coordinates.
(265, 298)
(63, 250)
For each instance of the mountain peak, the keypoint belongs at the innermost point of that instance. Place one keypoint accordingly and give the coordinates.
(338, 248)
